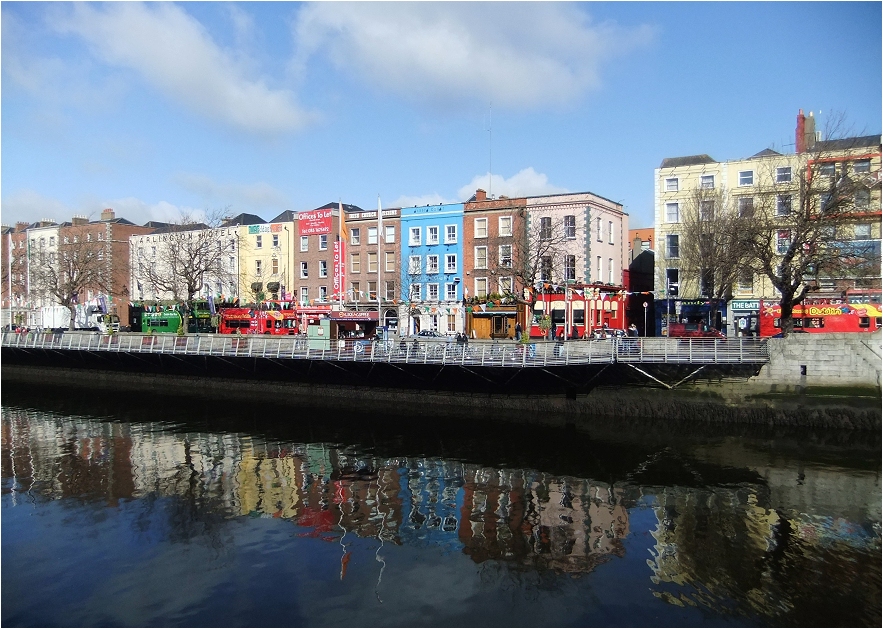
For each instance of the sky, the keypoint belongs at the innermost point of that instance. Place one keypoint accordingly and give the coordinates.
(160, 110)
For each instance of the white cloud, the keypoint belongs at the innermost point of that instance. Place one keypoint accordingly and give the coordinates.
(175, 54)
(31, 206)
(525, 183)
(251, 197)
(521, 54)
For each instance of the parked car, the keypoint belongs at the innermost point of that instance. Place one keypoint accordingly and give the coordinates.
(430, 333)
(688, 330)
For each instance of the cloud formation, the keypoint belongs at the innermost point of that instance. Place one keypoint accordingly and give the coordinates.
(175, 54)
(246, 197)
(522, 54)
(525, 183)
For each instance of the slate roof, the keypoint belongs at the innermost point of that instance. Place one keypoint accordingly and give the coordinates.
(243, 219)
(767, 153)
(690, 160)
(286, 217)
(868, 141)
(346, 207)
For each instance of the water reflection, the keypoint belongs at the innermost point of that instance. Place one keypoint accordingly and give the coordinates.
(723, 540)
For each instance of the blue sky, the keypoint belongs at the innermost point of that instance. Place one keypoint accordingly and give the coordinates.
(160, 109)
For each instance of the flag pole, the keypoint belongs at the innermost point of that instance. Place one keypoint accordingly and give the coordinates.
(379, 256)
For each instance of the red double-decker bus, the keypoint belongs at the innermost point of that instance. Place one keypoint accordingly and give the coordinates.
(274, 318)
(848, 315)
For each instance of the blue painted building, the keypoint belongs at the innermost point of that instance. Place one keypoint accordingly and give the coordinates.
(432, 269)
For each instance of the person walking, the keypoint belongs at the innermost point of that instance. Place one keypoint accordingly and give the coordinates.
(518, 331)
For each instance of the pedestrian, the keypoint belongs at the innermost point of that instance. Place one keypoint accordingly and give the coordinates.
(633, 330)
(518, 331)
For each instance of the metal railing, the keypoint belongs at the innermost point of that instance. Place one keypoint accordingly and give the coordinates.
(442, 352)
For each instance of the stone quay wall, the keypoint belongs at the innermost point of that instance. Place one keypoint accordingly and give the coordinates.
(824, 381)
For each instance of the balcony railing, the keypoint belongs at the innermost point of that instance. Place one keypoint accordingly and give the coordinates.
(440, 352)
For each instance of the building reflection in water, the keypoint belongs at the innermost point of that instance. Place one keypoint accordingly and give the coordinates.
(719, 547)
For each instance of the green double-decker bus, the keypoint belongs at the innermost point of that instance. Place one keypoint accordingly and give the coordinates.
(166, 318)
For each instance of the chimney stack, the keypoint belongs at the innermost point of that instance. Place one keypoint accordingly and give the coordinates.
(800, 133)
(480, 195)
(21, 226)
(108, 215)
(79, 220)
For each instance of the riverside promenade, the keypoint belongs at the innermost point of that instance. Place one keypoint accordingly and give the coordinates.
(830, 380)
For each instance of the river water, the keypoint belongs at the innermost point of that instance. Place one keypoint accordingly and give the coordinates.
(181, 513)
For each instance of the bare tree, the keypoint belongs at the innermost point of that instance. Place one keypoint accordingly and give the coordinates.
(803, 232)
(78, 264)
(713, 253)
(539, 256)
(187, 257)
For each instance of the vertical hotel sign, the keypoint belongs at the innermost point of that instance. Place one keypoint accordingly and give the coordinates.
(340, 257)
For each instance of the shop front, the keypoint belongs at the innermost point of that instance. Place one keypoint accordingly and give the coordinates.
(745, 315)
(670, 311)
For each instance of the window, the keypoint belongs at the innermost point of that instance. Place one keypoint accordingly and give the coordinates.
(232, 244)
(450, 263)
(304, 294)
(432, 292)
(672, 215)
(505, 226)
(863, 231)
(390, 290)
(355, 236)
(481, 257)
(598, 276)
(569, 267)
(372, 291)
(827, 169)
(672, 281)
(862, 198)
(480, 228)
(390, 265)
(323, 242)
(506, 256)
(372, 262)
(258, 241)
(546, 228)
(570, 226)
(450, 234)
(389, 235)
(861, 166)
(783, 205)
(450, 291)
(258, 267)
(431, 264)
(706, 182)
(610, 232)
(432, 235)
(505, 285)
(746, 177)
(745, 282)
(706, 210)
(303, 270)
(323, 293)
(100, 238)
(355, 263)
(598, 229)
(231, 263)
(783, 240)
(415, 292)
(672, 247)
(706, 282)
(372, 235)
(354, 287)
(51, 241)
(546, 268)
(481, 287)
(414, 265)
(323, 268)
(610, 270)
(52, 257)
(671, 184)
(88, 239)
(746, 207)
(304, 243)
(275, 240)
(274, 265)
(414, 237)
(783, 174)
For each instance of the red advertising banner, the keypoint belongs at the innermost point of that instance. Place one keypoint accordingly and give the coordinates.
(314, 222)
(339, 267)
